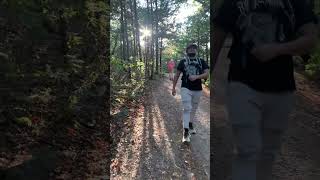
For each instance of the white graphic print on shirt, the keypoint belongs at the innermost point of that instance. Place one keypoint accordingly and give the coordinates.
(192, 67)
(262, 22)
(260, 27)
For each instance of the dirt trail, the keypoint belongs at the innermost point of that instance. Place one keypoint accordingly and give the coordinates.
(152, 147)
(299, 158)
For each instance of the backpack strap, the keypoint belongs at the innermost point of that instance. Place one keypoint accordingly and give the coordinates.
(200, 63)
(290, 8)
(186, 63)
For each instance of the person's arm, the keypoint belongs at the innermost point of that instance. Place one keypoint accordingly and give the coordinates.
(303, 45)
(304, 24)
(204, 75)
(200, 76)
(175, 80)
(176, 77)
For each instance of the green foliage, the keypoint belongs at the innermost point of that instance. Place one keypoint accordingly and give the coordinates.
(198, 31)
(313, 66)
(53, 56)
(73, 100)
(24, 121)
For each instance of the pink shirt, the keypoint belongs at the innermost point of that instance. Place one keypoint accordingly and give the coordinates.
(170, 65)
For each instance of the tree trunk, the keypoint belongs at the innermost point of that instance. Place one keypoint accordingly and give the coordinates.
(146, 46)
(134, 41)
(198, 42)
(160, 58)
(157, 37)
(122, 34)
(126, 30)
(115, 45)
(136, 20)
(126, 37)
(152, 40)
(207, 53)
(146, 57)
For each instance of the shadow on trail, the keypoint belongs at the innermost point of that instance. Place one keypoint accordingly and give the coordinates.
(160, 156)
(150, 146)
(163, 113)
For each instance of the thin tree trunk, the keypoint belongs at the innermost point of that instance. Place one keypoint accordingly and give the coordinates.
(160, 58)
(133, 43)
(157, 37)
(126, 37)
(146, 44)
(146, 69)
(122, 34)
(136, 20)
(115, 45)
(207, 53)
(152, 39)
(198, 41)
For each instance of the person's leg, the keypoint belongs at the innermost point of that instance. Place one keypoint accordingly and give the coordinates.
(170, 74)
(244, 110)
(186, 102)
(195, 103)
(274, 123)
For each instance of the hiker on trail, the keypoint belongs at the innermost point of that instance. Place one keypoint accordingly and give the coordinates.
(260, 93)
(170, 65)
(193, 69)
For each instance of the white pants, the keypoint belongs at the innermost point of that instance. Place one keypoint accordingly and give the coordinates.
(190, 100)
(259, 121)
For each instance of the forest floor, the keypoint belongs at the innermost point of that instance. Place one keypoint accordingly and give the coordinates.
(299, 158)
(67, 153)
(150, 145)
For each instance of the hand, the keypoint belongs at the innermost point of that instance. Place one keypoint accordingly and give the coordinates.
(173, 92)
(193, 77)
(266, 52)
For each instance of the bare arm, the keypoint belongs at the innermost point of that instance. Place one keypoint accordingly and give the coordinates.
(303, 44)
(175, 80)
(204, 75)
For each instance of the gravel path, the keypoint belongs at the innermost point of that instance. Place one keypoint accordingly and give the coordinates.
(152, 147)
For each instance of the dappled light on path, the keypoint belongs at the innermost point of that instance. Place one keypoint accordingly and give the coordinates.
(152, 149)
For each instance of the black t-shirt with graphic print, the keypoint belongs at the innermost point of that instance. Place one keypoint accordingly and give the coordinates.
(192, 67)
(256, 22)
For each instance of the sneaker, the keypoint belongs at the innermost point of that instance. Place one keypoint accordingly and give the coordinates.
(191, 129)
(186, 136)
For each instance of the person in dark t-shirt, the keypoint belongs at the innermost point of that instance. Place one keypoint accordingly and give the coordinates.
(260, 93)
(193, 69)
